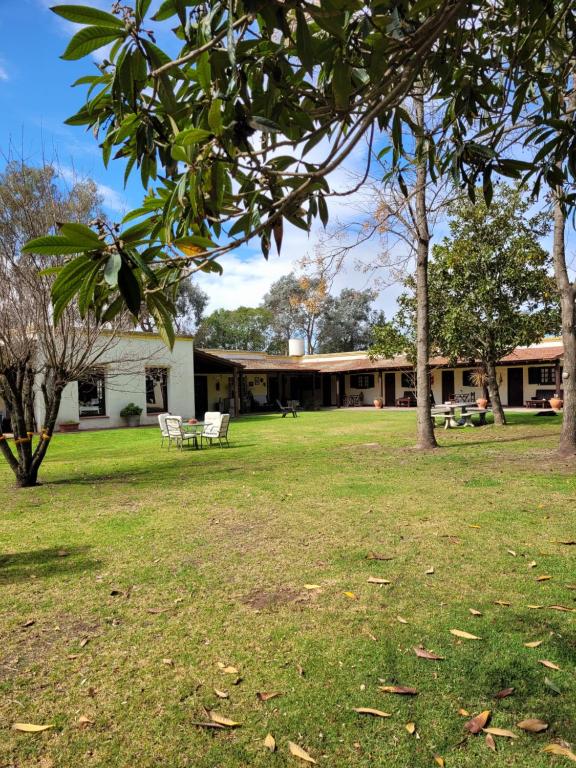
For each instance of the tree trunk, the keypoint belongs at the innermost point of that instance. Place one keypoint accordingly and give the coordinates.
(566, 289)
(425, 426)
(494, 391)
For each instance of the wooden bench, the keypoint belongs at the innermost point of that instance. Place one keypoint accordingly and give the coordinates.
(407, 401)
(541, 399)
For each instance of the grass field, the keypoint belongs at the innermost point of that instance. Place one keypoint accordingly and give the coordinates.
(133, 574)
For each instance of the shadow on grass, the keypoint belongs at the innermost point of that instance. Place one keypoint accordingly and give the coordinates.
(44, 563)
(496, 440)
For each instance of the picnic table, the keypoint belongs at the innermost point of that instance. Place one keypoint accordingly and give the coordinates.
(448, 412)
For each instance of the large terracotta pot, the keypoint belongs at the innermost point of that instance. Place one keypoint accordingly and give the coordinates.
(556, 403)
(481, 402)
(378, 402)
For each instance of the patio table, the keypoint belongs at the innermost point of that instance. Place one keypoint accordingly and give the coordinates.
(448, 411)
(193, 428)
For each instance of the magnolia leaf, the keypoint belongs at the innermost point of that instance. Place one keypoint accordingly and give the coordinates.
(533, 644)
(376, 580)
(561, 608)
(532, 564)
(477, 723)
(312, 586)
(422, 653)
(474, 612)
(439, 760)
(464, 635)
(411, 728)
(535, 606)
(532, 725)
(300, 753)
(558, 749)
(30, 727)
(553, 687)
(504, 693)
(402, 690)
(543, 578)
(221, 720)
(370, 711)
(501, 732)
(270, 742)
(549, 664)
(430, 571)
(501, 602)
(490, 743)
(267, 695)
(511, 552)
(221, 694)
(229, 670)
(401, 620)
(168, 662)
(463, 712)
(351, 595)
(84, 721)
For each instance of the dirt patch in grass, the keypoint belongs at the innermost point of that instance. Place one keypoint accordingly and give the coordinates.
(265, 600)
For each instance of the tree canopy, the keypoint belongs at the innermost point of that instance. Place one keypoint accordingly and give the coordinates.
(236, 126)
(242, 328)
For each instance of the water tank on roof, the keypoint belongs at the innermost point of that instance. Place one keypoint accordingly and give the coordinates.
(296, 347)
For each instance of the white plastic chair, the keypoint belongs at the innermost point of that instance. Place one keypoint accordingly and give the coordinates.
(176, 433)
(216, 428)
(162, 424)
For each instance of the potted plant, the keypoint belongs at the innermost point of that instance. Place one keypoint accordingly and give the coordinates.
(131, 413)
(479, 378)
(556, 402)
(70, 425)
(378, 402)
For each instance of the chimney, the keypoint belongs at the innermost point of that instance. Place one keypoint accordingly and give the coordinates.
(295, 347)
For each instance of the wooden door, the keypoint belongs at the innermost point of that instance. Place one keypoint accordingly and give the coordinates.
(201, 396)
(447, 385)
(326, 390)
(389, 389)
(515, 387)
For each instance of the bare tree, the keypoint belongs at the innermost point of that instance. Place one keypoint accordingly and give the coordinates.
(38, 358)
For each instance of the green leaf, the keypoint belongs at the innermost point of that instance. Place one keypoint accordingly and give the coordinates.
(90, 39)
(304, 42)
(142, 7)
(129, 287)
(81, 14)
(82, 235)
(204, 72)
(215, 117)
(53, 245)
(192, 136)
(197, 240)
(112, 269)
(263, 124)
(68, 283)
(341, 84)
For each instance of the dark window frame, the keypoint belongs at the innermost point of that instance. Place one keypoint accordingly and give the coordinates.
(153, 375)
(361, 381)
(542, 375)
(466, 377)
(408, 380)
(93, 382)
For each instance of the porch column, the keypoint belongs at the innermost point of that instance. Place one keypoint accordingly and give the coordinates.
(558, 377)
(236, 392)
(341, 389)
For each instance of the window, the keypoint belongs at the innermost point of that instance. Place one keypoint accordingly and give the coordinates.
(156, 390)
(467, 378)
(542, 375)
(408, 380)
(362, 381)
(92, 394)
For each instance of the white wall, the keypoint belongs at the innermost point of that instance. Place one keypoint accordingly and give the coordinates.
(124, 365)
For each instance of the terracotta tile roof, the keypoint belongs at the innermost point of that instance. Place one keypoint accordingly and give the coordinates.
(260, 362)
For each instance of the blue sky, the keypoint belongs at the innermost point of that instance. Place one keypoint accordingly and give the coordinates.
(36, 97)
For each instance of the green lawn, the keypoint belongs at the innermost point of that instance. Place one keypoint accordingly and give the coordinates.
(143, 570)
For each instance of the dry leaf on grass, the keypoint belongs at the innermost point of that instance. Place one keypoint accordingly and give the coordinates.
(430, 571)
(474, 526)
(422, 653)
(474, 612)
(549, 664)
(463, 712)
(439, 760)
(511, 552)
(376, 580)
(168, 662)
(568, 543)
(402, 690)
(558, 749)
(464, 635)
(267, 695)
(553, 687)
(84, 721)
(490, 743)
(533, 644)
(532, 564)
(312, 586)
(370, 711)
(544, 577)
(300, 753)
(350, 595)
(501, 602)
(228, 670)
(532, 725)
(376, 556)
(477, 723)
(209, 724)
(29, 623)
(411, 728)
(561, 608)
(270, 742)
(216, 717)
(30, 727)
(504, 693)
(501, 732)
(401, 620)
(221, 694)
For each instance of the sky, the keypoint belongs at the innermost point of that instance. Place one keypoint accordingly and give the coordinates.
(36, 97)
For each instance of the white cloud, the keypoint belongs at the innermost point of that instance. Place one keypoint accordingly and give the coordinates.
(3, 73)
(111, 199)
